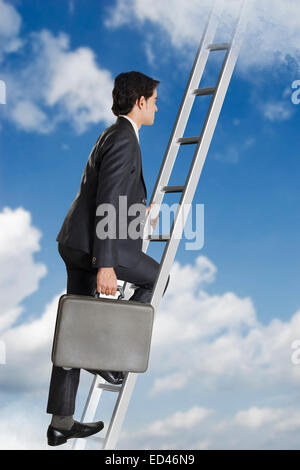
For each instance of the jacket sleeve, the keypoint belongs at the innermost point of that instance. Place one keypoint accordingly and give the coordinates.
(113, 181)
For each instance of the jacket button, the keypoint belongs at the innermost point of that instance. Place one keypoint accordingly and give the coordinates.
(94, 260)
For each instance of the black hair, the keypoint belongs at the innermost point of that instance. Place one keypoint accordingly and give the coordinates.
(129, 87)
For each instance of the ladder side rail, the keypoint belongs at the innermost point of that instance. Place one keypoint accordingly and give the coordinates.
(120, 410)
(200, 156)
(186, 105)
(90, 408)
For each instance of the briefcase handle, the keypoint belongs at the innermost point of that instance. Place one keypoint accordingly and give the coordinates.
(119, 288)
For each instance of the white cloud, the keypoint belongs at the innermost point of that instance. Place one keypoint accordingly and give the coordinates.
(176, 424)
(23, 427)
(20, 278)
(28, 346)
(82, 89)
(218, 338)
(233, 152)
(229, 155)
(149, 51)
(202, 343)
(191, 313)
(29, 117)
(204, 273)
(257, 417)
(277, 111)
(180, 420)
(61, 84)
(272, 34)
(202, 428)
(289, 422)
(10, 24)
(56, 84)
(271, 43)
(180, 20)
(277, 424)
(202, 445)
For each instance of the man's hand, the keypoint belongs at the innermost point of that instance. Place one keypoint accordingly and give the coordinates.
(154, 221)
(107, 282)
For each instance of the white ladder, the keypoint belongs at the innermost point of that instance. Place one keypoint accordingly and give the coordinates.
(202, 142)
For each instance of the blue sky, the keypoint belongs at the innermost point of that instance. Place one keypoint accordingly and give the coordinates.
(58, 60)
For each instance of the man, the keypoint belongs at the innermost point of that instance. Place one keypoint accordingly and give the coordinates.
(94, 261)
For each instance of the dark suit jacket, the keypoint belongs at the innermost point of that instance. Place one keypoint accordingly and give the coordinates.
(114, 168)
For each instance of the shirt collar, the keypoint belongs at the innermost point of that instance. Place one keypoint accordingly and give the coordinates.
(134, 125)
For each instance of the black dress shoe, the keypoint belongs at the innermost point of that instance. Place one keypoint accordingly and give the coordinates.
(56, 437)
(113, 377)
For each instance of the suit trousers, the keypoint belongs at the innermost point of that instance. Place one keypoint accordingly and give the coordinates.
(82, 280)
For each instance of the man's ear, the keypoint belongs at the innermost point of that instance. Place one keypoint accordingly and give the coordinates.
(140, 102)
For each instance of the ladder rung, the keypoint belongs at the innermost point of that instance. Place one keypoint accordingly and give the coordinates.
(158, 238)
(110, 388)
(172, 189)
(219, 47)
(204, 91)
(188, 140)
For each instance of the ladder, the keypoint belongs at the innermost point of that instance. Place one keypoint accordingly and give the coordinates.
(218, 92)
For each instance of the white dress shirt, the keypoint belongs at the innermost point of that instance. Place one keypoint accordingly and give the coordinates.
(134, 125)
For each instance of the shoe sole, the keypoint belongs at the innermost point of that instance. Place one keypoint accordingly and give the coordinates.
(56, 441)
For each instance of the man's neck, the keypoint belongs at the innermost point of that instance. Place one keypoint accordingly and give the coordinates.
(139, 125)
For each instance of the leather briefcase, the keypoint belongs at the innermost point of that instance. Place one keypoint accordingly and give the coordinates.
(102, 334)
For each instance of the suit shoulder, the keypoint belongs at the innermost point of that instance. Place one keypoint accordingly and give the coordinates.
(111, 137)
(119, 131)
(116, 134)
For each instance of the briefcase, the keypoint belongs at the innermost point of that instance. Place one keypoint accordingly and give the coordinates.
(102, 334)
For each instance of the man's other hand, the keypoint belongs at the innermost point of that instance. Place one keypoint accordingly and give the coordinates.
(107, 281)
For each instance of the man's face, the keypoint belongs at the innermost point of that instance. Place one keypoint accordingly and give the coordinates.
(149, 109)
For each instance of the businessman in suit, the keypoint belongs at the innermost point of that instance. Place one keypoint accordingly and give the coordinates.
(94, 257)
